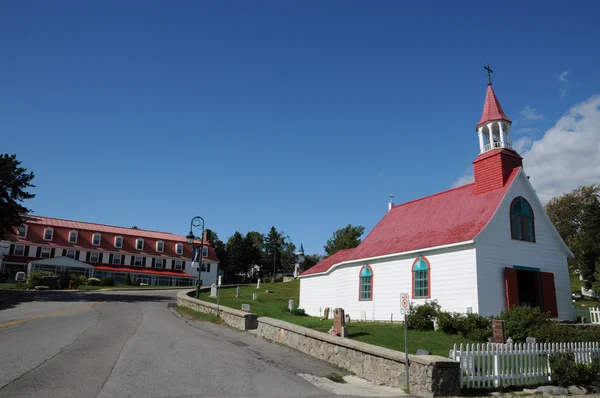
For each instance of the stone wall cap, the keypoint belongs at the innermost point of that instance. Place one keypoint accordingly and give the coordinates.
(184, 296)
(371, 349)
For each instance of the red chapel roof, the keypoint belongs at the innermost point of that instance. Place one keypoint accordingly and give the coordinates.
(492, 110)
(452, 216)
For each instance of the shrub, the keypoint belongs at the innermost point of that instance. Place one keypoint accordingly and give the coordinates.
(565, 333)
(82, 280)
(35, 277)
(421, 316)
(450, 323)
(521, 322)
(266, 280)
(107, 281)
(567, 372)
(298, 312)
(476, 327)
(93, 282)
(135, 283)
(128, 279)
(279, 279)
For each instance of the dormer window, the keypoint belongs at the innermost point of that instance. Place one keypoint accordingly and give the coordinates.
(73, 236)
(22, 232)
(118, 242)
(160, 246)
(521, 220)
(48, 233)
(96, 238)
(139, 244)
(204, 251)
(179, 248)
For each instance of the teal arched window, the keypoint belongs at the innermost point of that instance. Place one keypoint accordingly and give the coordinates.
(365, 288)
(421, 272)
(521, 220)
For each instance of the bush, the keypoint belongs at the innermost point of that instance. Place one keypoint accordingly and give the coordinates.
(107, 281)
(474, 327)
(135, 283)
(521, 322)
(279, 279)
(298, 312)
(421, 316)
(567, 372)
(128, 279)
(450, 323)
(565, 333)
(266, 280)
(35, 277)
(93, 282)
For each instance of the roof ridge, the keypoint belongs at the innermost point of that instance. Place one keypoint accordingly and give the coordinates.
(432, 195)
(101, 224)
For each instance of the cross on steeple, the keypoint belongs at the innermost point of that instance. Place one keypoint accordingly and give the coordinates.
(489, 72)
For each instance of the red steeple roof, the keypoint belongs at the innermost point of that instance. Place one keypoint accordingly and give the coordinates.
(492, 109)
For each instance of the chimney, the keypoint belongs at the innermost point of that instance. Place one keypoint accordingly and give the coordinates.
(391, 202)
(207, 235)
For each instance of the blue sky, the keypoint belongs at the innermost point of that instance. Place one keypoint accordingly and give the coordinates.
(303, 115)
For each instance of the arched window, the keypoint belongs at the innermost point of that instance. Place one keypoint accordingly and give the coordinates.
(365, 288)
(421, 272)
(521, 220)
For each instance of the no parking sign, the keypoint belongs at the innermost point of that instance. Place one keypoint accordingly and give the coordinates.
(404, 304)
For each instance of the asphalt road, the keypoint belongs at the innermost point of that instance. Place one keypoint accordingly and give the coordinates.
(131, 344)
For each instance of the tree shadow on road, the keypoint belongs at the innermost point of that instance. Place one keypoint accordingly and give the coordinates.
(14, 299)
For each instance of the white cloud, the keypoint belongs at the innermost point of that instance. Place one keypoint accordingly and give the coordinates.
(566, 156)
(464, 180)
(525, 130)
(563, 76)
(529, 115)
(565, 83)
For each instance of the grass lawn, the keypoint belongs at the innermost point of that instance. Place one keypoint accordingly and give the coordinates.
(9, 286)
(87, 287)
(201, 316)
(383, 334)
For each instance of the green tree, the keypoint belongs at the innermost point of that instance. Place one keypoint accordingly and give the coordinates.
(237, 255)
(310, 260)
(221, 252)
(344, 238)
(128, 279)
(254, 244)
(576, 216)
(278, 253)
(134, 227)
(14, 180)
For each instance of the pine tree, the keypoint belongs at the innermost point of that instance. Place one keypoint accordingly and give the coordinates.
(14, 180)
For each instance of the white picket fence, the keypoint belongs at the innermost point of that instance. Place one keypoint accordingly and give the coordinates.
(591, 314)
(501, 365)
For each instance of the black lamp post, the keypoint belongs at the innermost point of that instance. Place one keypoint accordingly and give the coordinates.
(198, 223)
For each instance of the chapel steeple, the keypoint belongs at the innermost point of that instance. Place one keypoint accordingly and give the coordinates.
(497, 159)
(494, 126)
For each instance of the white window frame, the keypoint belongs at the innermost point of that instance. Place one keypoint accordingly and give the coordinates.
(178, 264)
(162, 262)
(116, 240)
(45, 250)
(76, 236)
(46, 230)
(99, 235)
(179, 248)
(92, 260)
(24, 235)
(204, 251)
(74, 253)
(162, 246)
(137, 244)
(141, 264)
(120, 257)
(22, 250)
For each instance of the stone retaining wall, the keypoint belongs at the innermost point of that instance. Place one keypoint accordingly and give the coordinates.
(430, 375)
(234, 318)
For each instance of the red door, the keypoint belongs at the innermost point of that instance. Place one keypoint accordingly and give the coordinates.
(549, 294)
(512, 287)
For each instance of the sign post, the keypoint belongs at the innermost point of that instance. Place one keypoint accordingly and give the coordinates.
(405, 310)
(219, 279)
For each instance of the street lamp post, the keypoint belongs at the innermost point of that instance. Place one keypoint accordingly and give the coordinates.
(198, 223)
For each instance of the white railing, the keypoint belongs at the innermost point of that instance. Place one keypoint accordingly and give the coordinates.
(497, 144)
(591, 314)
(501, 365)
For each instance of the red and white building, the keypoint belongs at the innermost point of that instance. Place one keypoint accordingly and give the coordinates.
(97, 250)
(481, 247)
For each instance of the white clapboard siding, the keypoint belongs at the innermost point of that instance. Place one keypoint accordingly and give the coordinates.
(501, 365)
